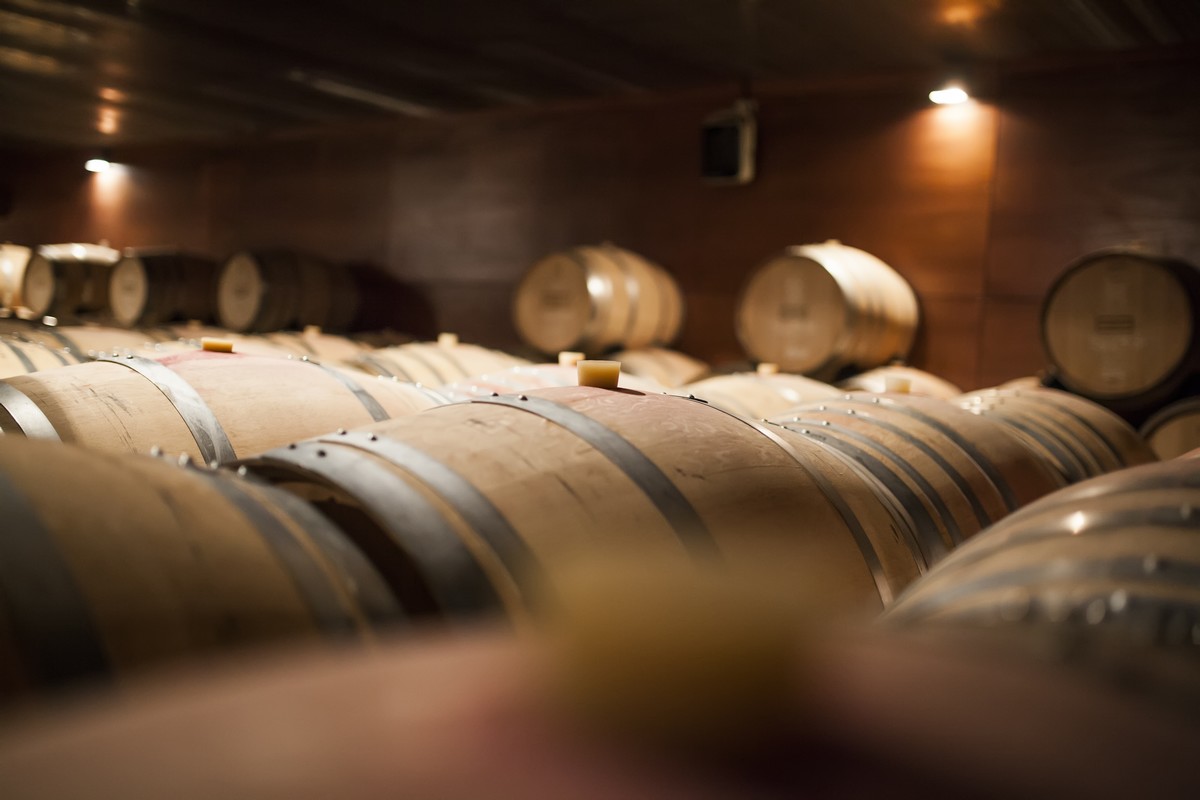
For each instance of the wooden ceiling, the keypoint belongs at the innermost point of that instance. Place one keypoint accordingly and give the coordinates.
(91, 72)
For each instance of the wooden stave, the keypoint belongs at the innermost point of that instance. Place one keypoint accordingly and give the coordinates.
(107, 406)
(1135, 399)
(199, 574)
(1103, 557)
(503, 582)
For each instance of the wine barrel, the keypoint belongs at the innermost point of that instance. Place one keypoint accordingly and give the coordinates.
(901, 380)
(668, 368)
(952, 472)
(64, 280)
(1174, 430)
(1119, 551)
(315, 343)
(211, 406)
(533, 376)
(758, 395)
(435, 363)
(20, 357)
(470, 507)
(1079, 438)
(13, 259)
(1119, 327)
(81, 342)
(155, 286)
(818, 309)
(271, 290)
(113, 564)
(594, 299)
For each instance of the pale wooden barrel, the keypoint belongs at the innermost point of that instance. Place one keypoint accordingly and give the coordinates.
(64, 280)
(81, 342)
(1121, 326)
(594, 299)
(214, 407)
(435, 363)
(902, 380)
(1120, 551)
(113, 564)
(272, 290)
(758, 395)
(156, 286)
(20, 357)
(532, 376)
(666, 367)
(818, 309)
(472, 506)
(13, 259)
(1079, 438)
(315, 343)
(1174, 430)
(952, 473)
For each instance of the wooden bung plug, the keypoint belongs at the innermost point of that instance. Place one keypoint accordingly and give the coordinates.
(768, 368)
(447, 340)
(599, 374)
(895, 384)
(569, 358)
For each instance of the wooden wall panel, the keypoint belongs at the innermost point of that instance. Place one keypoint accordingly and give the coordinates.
(978, 206)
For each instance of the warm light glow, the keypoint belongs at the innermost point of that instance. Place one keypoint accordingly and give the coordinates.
(950, 95)
(97, 165)
(109, 121)
(1076, 522)
(112, 95)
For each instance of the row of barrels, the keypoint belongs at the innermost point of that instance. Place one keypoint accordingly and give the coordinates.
(262, 290)
(469, 510)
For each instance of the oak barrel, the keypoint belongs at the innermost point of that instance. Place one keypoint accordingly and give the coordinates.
(435, 363)
(65, 280)
(1120, 551)
(271, 290)
(819, 309)
(13, 259)
(469, 507)
(1174, 430)
(668, 368)
(902, 380)
(758, 395)
(532, 376)
(594, 299)
(1080, 438)
(153, 286)
(113, 564)
(214, 407)
(1119, 326)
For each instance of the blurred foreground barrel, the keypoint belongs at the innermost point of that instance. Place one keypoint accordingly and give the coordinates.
(155, 286)
(1174, 430)
(1120, 551)
(758, 395)
(111, 564)
(270, 290)
(81, 342)
(952, 473)
(1079, 438)
(435, 363)
(212, 406)
(1120, 327)
(20, 357)
(820, 308)
(597, 298)
(471, 506)
(64, 280)
(901, 380)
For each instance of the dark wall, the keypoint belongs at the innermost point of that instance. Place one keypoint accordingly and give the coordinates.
(978, 206)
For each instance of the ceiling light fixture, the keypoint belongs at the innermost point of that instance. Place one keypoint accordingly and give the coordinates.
(949, 95)
(100, 163)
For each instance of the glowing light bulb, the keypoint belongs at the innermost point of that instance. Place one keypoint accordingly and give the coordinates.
(949, 95)
(97, 165)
